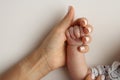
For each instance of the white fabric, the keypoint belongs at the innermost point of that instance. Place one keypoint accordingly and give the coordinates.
(111, 72)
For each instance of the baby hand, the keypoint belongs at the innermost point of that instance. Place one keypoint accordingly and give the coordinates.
(77, 38)
(78, 34)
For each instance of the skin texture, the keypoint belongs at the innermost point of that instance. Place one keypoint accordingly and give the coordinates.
(55, 43)
(98, 78)
(76, 48)
(49, 56)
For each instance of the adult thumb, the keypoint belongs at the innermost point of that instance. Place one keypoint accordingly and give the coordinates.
(89, 77)
(68, 19)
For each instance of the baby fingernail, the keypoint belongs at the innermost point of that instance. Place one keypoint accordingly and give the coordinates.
(87, 30)
(82, 22)
(86, 39)
(102, 77)
(83, 49)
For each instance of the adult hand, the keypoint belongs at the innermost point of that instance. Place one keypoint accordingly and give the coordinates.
(50, 55)
(89, 77)
(54, 44)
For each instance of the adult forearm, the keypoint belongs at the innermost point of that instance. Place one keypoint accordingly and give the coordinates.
(32, 67)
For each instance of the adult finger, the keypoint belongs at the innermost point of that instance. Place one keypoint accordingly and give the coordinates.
(89, 77)
(102, 77)
(68, 19)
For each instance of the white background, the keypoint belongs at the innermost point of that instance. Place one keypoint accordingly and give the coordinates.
(24, 23)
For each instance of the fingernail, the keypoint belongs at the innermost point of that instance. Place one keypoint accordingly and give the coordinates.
(83, 22)
(83, 49)
(93, 76)
(87, 30)
(86, 39)
(102, 77)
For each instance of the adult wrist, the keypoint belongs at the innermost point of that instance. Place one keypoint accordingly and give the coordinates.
(35, 64)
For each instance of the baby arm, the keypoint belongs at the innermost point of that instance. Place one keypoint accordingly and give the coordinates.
(77, 39)
(77, 65)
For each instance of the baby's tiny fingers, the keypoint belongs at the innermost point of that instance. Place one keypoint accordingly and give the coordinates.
(68, 36)
(70, 40)
(87, 29)
(72, 33)
(83, 48)
(81, 22)
(77, 31)
(86, 39)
